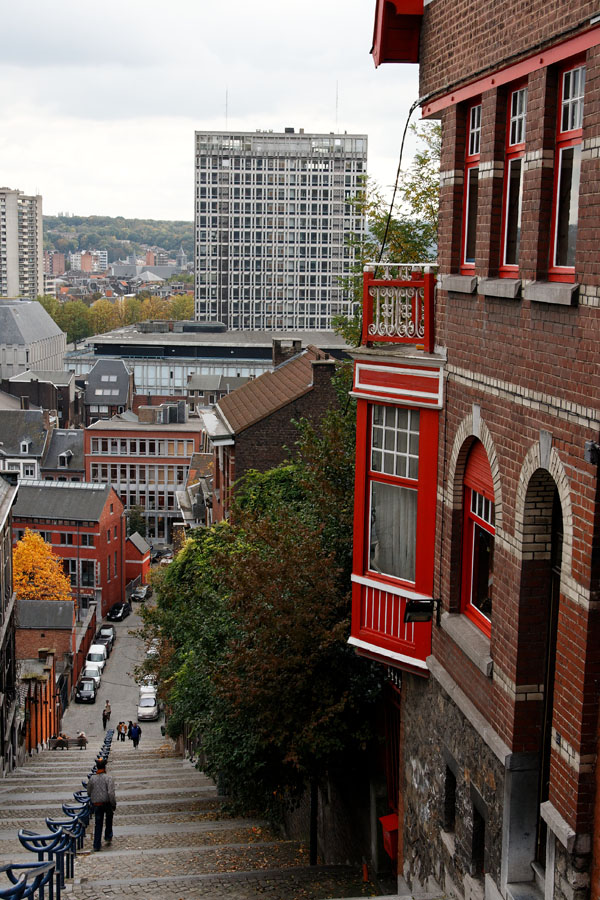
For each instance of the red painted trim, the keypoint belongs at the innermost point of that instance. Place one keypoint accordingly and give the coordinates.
(522, 69)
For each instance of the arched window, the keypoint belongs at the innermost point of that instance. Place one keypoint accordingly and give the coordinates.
(478, 539)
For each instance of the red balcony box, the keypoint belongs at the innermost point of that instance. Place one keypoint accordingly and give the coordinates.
(389, 825)
(397, 31)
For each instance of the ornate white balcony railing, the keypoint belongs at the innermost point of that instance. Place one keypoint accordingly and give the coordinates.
(398, 306)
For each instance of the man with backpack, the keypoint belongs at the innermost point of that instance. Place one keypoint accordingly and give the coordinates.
(101, 791)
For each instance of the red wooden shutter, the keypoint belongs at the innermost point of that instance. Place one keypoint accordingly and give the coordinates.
(478, 474)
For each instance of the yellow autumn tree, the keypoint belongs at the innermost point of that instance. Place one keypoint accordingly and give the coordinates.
(37, 573)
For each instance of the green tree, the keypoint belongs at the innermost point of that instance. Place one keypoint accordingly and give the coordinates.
(181, 307)
(254, 616)
(136, 521)
(51, 305)
(405, 233)
(74, 319)
(103, 317)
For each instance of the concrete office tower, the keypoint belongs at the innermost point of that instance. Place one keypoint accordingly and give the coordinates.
(21, 245)
(272, 215)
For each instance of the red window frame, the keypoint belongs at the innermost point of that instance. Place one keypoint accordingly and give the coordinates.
(569, 134)
(516, 124)
(425, 487)
(478, 524)
(471, 184)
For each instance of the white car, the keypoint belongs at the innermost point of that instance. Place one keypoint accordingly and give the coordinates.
(148, 708)
(90, 670)
(97, 656)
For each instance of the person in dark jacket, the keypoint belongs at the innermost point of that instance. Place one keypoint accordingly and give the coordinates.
(101, 791)
(136, 733)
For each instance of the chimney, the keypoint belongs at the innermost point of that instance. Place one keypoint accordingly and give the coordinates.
(281, 351)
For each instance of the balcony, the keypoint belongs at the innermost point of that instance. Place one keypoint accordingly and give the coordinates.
(398, 306)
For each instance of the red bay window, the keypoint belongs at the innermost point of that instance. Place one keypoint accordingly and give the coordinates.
(567, 169)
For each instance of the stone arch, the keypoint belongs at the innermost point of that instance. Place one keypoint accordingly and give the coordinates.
(471, 429)
(467, 432)
(538, 461)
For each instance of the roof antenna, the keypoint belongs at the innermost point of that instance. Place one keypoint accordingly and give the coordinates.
(336, 106)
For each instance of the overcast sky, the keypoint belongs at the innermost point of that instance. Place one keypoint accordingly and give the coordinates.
(99, 101)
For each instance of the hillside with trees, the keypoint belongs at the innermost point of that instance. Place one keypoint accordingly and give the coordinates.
(119, 236)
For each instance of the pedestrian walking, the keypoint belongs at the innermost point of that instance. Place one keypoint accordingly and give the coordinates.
(122, 729)
(129, 727)
(136, 733)
(106, 714)
(101, 791)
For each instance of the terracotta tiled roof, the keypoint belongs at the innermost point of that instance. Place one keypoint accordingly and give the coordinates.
(271, 391)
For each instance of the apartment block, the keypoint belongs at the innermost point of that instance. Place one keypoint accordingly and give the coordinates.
(21, 244)
(273, 213)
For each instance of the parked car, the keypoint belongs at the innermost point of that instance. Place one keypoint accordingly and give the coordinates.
(108, 630)
(105, 640)
(166, 558)
(86, 691)
(119, 611)
(153, 648)
(141, 592)
(97, 654)
(148, 708)
(90, 670)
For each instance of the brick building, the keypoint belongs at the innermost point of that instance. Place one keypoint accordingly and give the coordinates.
(49, 390)
(146, 460)
(137, 561)
(8, 682)
(252, 427)
(85, 525)
(476, 568)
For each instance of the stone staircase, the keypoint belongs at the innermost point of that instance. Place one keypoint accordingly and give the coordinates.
(171, 839)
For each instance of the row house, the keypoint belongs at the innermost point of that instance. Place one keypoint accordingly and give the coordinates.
(49, 390)
(109, 390)
(8, 677)
(85, 526)
(23, 440)
(252, 427)
(146, 461)
(63, 459)
(476, 566)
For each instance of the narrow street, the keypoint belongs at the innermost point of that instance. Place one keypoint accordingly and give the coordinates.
(170, 838)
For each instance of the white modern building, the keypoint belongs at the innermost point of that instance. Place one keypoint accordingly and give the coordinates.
(272, 216)
(21, 245)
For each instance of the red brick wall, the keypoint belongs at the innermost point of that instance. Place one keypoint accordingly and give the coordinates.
(460, 41)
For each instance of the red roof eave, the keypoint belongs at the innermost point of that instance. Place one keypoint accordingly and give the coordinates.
(397, 31)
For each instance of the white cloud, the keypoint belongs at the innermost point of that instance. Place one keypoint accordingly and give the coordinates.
(99, 104)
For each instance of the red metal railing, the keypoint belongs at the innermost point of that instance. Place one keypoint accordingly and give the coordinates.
(398, 307)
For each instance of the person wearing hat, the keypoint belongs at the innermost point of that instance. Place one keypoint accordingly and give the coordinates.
(101, 791)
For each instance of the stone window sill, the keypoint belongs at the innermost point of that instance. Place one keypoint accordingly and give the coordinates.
(473, 643)
(460, 284)
(507, 288)
(551, 292)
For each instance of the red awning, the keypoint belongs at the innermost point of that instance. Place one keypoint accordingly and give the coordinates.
(397, 31)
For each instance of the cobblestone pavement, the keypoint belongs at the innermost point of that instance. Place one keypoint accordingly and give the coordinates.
(171, 837)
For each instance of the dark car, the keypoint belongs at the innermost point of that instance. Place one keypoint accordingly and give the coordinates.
(106, 641)
(86, 691)
(119, 611)
(108, 630)
(141, 592)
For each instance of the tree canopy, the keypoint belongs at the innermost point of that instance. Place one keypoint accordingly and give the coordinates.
(253, 617)
(37, 573)
(119, 236)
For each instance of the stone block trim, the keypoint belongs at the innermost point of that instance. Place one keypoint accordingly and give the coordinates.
(575, 413)
(454, 483)
(579, 764)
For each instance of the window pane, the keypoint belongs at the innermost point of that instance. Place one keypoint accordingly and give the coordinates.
(393, 530)
(567, 205)
(483, 559)
(471, 219)
(514, 193)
